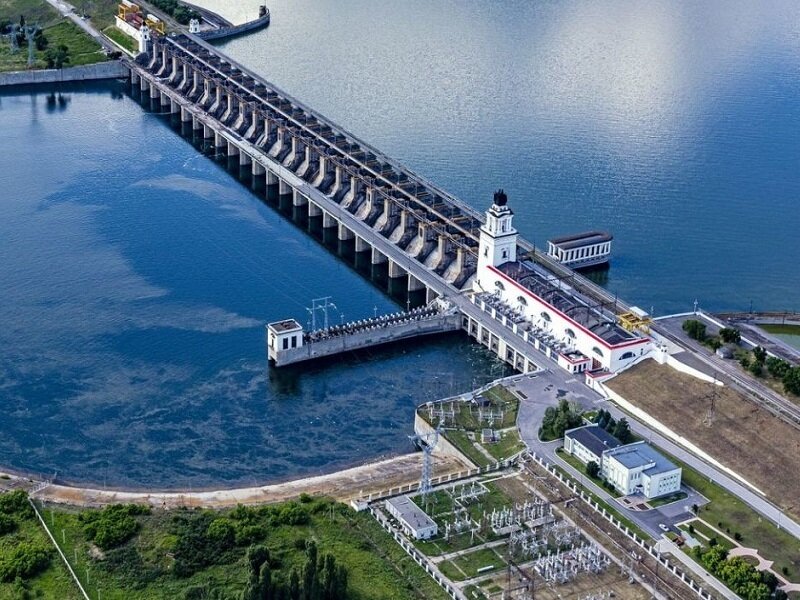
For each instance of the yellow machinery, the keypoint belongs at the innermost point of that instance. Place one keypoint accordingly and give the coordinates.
(636, 320)
(127, 9)
(155, 24)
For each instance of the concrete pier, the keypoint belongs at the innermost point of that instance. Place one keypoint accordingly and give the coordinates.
(288, 344)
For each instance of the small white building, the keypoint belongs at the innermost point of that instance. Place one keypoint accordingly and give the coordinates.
(638, 468)
(581, 250)
(414, 521)
(283, 335)
(588, 443)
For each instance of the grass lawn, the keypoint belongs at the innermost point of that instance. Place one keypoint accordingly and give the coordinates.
(667, 499)
(575, 463)
(37, 12)
(703, 533)
(143, 569)
(734, 515)
(509, 445)
(54, 582)
(83, 50)
(460, 439)
(467, 565)
(122, 38)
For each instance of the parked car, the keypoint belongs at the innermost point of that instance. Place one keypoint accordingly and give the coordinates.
(663, 527)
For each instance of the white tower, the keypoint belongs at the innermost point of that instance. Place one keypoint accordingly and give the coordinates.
(194, 26)
(498, 237)
(144, 38)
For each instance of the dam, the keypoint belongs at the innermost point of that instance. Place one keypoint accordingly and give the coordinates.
(430, 242)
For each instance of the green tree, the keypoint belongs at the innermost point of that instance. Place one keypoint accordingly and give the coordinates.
(730, 335)
(592, 469)
(791, 381)
(755, 369)
(622, 431)
(222, 533)
(695, 329)
(56, 58)
(777, 367)
(760, 354)
(7, 524)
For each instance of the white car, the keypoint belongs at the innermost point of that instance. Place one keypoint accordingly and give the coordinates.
(663, 527)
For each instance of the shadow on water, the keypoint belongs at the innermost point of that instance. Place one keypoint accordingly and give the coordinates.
(396, 288)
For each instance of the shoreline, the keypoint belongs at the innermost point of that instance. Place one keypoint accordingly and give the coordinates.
(344, 485)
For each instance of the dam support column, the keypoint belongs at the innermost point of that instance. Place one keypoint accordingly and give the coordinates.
(398, 284)
(259, 182)
(299, 207)
(329, 227)
(363, 254)
(285, 194)
(347, 242)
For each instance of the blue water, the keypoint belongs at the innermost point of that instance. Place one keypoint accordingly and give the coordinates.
(136, 278)
(136, 275)
(675, 125)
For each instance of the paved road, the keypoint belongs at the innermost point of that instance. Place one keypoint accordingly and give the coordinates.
(545, 389)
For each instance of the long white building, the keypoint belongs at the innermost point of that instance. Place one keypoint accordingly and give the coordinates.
(586, 337)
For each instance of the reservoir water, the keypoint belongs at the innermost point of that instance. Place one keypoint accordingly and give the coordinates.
(676, 126)
(136, 278)
(137, 275)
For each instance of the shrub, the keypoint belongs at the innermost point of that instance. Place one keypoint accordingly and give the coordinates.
(112, 526)
(695, 329)
(24, 561)
(7, 524)
(16, 503)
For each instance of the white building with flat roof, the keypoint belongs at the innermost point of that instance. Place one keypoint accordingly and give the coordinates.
(414, 521)
(588, 443)
(638, 469)
(585, 336)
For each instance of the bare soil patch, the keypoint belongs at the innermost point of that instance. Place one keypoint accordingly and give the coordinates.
(743, 437)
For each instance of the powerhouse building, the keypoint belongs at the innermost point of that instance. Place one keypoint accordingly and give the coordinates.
(588, 336)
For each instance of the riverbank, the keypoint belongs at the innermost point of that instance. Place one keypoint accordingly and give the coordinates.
(346, 485)
(107, 70)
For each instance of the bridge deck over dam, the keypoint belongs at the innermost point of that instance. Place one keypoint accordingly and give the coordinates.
(420, 233)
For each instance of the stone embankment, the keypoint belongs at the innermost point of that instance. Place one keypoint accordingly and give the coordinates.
(347, 485)
(112, 69)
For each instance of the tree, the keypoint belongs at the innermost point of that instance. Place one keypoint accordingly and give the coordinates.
(791, 381)
(777, 367)
(7, 524)
(755, 369)
(730, 335)
(592, 469)
(622, 431)
(56, 58)
(760, 354)
(558, 419)
(695, 329)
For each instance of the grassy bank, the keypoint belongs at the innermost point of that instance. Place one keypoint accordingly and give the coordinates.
(122, 39)
(173, 553)
(21, 535)
(81, 49)
(729, 514)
